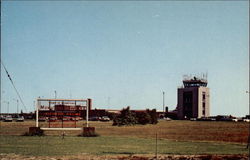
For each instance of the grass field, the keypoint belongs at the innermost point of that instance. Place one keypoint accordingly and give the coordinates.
(175, 130)
(174, 137)
(54, 145)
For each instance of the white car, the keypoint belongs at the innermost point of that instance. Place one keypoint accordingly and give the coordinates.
(235, 120)
(168, 119)
(8, 119)
(105, 118)
(246, 120)
(20, 119)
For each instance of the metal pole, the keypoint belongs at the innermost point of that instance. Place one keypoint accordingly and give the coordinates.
(37, 113)
(75, 113)
(55, 94)
(87, 113)
(50, 112)
(156, 146)
(108, 102)
(163, 102)
(17, 106)
(8, 106)
(34, 105)
(63, 113)
(248, 139)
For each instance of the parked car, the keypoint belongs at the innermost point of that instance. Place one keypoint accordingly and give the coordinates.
(234, 119)
(226, 119)
(94, 118)
(105, 118)
(193, 119)
(168, 119)
(67, 118)
(77, 118)
(52, 119)
(212, 119)
(246, 120)
(20, 119)
(206, 119)
(42, 119)
(2, 117)
(8, 119)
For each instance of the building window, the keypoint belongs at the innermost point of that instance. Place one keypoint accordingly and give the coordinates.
(203, 108)
(203, 96)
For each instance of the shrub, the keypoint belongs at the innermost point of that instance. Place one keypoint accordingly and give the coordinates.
(143, 118)
(153, 115)
(125, 118)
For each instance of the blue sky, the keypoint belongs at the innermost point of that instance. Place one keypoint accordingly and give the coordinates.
(125, 53)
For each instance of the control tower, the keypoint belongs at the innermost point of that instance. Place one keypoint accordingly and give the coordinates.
(193, 98)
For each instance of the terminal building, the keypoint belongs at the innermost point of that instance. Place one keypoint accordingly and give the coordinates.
(193, 98)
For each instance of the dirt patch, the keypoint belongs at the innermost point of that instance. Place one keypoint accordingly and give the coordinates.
(126, 157)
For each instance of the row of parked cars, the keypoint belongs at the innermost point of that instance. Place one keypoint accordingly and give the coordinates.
(103, 118)
(216, 118)
(10, 118)
(230, 119)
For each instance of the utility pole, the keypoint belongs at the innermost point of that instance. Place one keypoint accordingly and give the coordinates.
(55, 94)
(17, 106)
(248, 140)
(17, 109)
(163, 107)
(7, 105)
(108, 103)
(34, 105)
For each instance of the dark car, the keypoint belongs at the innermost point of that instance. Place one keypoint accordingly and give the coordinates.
(94, 118)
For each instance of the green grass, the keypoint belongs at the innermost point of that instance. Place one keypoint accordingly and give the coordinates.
(176, 130)
(175, 137)
(103, 145)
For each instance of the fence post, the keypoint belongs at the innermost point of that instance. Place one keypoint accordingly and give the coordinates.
(156, 146)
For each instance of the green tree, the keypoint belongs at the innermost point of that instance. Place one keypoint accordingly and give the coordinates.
(153, 115)
(125, 118)
(143, 118)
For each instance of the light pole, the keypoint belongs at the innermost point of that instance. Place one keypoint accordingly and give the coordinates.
(248, 141)
(248, 101)
(163, 105)
(108, 103)
(34, 104)
(55, 94)
(16, 105)
(8, 103)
